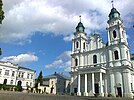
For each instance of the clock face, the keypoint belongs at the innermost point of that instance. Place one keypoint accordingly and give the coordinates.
(80, 29)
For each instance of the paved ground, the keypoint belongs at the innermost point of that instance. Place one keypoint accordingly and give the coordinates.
(4, 95)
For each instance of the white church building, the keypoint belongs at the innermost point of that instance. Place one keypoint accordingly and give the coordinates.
(103, 69)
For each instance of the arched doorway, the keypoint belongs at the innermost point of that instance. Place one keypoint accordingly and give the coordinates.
(19, 83)
(19, 86)
(5, 81)
(119, 91)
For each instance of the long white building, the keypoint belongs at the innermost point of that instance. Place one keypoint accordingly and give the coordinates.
(12, 74)
(99, 68)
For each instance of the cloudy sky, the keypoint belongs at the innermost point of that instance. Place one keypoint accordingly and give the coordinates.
(37, 33)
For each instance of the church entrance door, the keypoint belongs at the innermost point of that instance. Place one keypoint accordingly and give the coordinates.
(119, 91)
(96, 88)
(75, 90)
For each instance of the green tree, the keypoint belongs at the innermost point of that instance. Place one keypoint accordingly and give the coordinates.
(1, 12)
(39, 79)
(1, 17)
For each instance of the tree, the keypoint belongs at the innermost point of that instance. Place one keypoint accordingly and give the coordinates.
(1, 12)
(39, 79)
(1, 17)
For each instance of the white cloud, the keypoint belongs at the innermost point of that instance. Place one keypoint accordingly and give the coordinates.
(21, 59)
(24, 17)
(62, 61)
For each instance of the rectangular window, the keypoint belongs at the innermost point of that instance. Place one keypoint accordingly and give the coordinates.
(31, 76)
(26, 83)
(131, 87)
(13, 73)
(0, 71)
(19, 74)
(6, 72)
(22, 75)
(27, 75)
(11, 82)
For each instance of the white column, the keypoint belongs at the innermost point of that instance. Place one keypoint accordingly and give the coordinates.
(79, 93)
(85, 93)
(105, 86)
(93, 83)
(112, 84)
(71, 88)
(127, 84)
(101, 87)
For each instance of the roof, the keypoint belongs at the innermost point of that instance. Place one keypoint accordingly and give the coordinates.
(113, 11)
(26, 68)
(78, 26)
(56, 75)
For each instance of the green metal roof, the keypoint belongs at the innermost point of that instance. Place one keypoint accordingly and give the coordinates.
(113, 12)
(78, 26)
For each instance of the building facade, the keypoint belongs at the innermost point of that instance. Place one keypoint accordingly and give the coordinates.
(56, 83)
(99, 68)
(12, 74)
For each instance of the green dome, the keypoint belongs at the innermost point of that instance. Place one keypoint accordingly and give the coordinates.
(114, 14)
(80, 27)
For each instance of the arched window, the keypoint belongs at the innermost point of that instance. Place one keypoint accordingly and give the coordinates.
(114, 34)
(84, 45)
(94, 59)
(5, 81)
(76, 62)
(77, 44)
(116, 55)
(19, 83)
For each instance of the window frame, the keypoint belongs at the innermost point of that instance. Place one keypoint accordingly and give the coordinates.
(7, 72)
(94, 59)
(76, 62)
(77, 44)
(13, 73)
(114, 34)
(116, 55)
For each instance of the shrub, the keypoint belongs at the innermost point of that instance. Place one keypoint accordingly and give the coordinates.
(10, 87)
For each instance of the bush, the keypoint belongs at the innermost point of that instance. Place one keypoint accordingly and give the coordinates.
(10, 87)
(18, 88)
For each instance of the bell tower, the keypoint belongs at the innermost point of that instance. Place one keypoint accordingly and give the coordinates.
(117, 40)
(116, 29)
(80, 39)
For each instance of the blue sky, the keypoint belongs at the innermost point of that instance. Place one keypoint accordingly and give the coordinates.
(37, 33)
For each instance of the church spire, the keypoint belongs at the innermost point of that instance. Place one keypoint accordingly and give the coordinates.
(80, 18)
(112, 3)
(114, 13)
(80, 27)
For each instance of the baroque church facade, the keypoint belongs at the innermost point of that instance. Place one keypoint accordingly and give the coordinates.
(103, 69)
